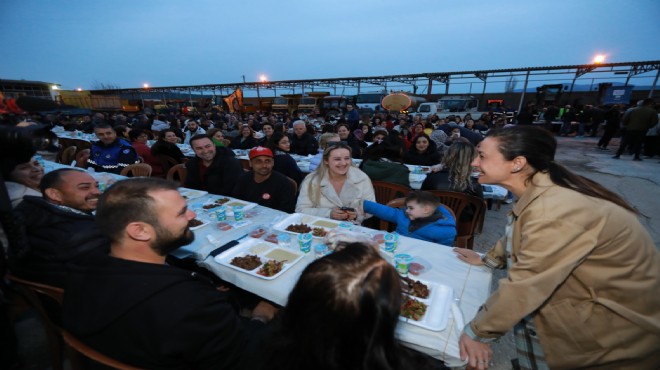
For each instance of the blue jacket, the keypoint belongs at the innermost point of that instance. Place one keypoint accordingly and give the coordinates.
(441, 231)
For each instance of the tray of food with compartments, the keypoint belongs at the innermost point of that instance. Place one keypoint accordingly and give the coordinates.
(212, 204)
(425, 304)
(189, 194)
(298, 223)
(259, 258)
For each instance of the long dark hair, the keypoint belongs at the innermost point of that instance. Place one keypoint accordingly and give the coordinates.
(538, 146)
(342, 314)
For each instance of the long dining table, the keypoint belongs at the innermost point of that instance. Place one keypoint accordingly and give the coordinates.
(468, 286)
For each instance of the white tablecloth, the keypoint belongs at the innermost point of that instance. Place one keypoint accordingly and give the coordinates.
(471, 285)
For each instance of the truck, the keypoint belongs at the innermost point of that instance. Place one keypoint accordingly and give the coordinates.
(335, 105)
(311, 101)
(370, 102)
(286, 103)
(401, 102)
(451, 105)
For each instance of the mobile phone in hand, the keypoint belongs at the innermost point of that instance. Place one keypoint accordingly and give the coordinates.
(349, 209)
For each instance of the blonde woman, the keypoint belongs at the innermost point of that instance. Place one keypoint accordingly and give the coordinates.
(456, 174)
(336, 189)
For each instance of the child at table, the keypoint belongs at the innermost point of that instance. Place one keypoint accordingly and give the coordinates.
(423, 218)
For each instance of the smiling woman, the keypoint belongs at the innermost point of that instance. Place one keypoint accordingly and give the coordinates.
(335, 187)
(577, 253)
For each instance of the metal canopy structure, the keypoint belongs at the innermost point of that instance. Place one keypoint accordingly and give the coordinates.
(548, 73)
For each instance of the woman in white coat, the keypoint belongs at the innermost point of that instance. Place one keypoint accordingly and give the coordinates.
(336, 189)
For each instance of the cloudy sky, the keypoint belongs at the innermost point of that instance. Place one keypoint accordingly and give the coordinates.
(126, 43)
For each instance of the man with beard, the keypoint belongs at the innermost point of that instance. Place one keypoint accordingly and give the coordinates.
(59, 225)
(264, 186)
(132, 306)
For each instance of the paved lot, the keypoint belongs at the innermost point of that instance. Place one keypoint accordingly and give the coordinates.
(637, 182)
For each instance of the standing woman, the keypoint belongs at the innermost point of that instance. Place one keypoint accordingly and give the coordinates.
(280, 144)
(583, 273)
(335, 186)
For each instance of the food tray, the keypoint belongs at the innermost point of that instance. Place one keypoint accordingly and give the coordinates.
(189, 194)
(204, 223)
(231, 203)
(439, 306)
(262, 249)
(310, 221)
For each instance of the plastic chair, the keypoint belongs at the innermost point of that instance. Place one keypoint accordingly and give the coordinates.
(386, 191)
(166, 162)
(246, 165)
(66, 155)
(136, 170)
(79, 352)
(398, 203)
(178, 173)
(82, 144)
(458, 202)
(82, 157)
(33, 293)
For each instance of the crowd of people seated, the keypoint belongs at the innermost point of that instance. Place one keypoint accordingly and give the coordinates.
(131, 228)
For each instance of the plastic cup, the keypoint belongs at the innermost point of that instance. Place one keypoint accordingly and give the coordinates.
(238, 213)
(402, 262)
(321, 250)
(284, 240)
(305, 242)
(391, 242)
(345, 225)
(221, 213)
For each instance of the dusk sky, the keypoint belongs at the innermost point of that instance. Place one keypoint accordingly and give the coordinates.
(163, 43)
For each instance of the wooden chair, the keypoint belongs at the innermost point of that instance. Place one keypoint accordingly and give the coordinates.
(66, 155)
(33, 293)
(458, 202)
(136, 170)
(178, 173)
(78, 352)
(82, 157)
(386, 191)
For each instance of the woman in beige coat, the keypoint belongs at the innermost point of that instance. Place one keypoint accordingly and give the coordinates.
(336, 189)
(583, 273)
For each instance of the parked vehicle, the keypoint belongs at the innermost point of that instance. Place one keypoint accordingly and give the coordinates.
(370, 103)
(401, 102)
(451, 105)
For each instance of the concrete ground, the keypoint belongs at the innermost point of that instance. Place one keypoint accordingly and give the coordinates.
(637, 182)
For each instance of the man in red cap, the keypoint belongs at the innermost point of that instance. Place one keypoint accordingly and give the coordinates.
(264, 186)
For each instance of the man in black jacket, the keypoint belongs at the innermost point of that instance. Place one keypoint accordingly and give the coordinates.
(302, 142)
(264, 186)
(214, 169)
(132, 306)
(60, 226)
